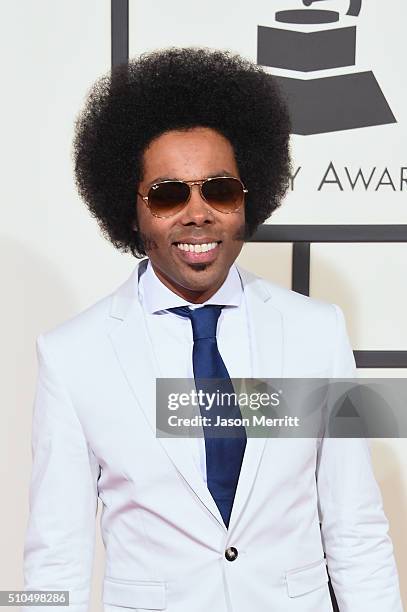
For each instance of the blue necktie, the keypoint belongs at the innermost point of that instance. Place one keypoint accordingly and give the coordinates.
(224, 453)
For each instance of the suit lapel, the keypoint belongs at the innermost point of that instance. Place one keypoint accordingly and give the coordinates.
(265, 327)
(266, 339)
(128, 337)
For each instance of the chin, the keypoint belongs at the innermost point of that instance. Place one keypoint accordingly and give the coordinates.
(199, 282)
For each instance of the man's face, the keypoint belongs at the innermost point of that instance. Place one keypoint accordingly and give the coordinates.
(190, 155)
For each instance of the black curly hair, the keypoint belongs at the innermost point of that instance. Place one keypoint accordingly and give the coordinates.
(178, 88)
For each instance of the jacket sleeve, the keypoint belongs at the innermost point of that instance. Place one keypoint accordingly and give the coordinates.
(354, 528)
(60, 534)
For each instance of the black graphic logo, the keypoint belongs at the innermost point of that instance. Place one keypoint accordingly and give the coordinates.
(331, 103)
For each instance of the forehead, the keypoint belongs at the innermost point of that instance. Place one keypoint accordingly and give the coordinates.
(199, 151)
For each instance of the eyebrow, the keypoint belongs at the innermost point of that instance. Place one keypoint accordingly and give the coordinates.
(174, 178)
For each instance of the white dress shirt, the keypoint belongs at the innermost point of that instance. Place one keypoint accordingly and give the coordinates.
(172, 339)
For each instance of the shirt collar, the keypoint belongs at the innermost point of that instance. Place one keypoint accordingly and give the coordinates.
(156, 297)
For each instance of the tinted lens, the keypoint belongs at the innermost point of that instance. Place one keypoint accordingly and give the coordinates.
(166, 198)
(224, 194)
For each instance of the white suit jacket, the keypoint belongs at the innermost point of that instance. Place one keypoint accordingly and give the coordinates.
(93, 434)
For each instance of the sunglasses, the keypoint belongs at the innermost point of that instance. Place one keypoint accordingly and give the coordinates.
(223, 193)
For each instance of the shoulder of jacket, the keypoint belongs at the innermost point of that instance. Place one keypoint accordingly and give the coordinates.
(284, 299)
(81, 325)
(92, 320)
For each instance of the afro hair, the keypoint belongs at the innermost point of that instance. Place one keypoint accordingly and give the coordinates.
(178, 89)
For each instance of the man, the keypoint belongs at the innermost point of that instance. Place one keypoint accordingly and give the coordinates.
(180, 156)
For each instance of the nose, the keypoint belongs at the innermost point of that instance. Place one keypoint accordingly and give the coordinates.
(197, 211)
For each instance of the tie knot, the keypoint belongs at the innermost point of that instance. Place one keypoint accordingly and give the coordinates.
(204, 320)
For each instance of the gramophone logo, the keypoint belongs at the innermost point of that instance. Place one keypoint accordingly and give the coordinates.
(330, 103)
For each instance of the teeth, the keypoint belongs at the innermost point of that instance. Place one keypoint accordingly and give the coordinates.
(197, 248)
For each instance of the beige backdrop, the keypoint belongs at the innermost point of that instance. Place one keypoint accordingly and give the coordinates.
(54, 262)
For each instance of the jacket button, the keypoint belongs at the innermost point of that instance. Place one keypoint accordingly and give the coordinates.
(231, 553)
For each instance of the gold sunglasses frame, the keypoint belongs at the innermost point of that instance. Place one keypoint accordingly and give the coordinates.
(190, 184)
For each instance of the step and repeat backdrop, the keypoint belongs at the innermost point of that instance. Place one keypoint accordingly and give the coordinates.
(341, 67)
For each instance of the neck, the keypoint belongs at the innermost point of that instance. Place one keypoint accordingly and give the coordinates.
(194, 296)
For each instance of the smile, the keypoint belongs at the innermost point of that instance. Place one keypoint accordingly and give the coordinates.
(197, 248)
(198, 253)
